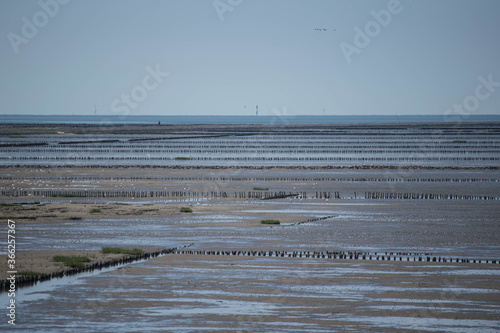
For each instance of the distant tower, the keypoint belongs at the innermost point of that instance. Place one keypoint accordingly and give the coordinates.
(95, 109)
(256, 110)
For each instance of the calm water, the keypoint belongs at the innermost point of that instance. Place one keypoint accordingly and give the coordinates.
(260, 120)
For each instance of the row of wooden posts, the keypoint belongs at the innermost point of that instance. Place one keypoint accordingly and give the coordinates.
(313, 220)
(430, 196)
(29, 280)
(23, 281)
(264, 195)
(351, 255)
(257, 150)
(252, 158)
(228, 168)
(262, 179)
(406, 145)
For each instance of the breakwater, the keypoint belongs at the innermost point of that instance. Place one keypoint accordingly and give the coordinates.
(262, 195)
(312, 220)
(346, 148)
(266, 178)
(342, 255)
(249, 167)
(149, 159)
(426, 196)
(29, 280)
(24, 281)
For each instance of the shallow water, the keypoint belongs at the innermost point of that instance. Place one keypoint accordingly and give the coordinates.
(186, 293)
(227, 295)
(450, 229)
(368, 147)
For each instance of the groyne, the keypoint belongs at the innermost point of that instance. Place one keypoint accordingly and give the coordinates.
(24, 281)
(342, 255)
(262, 195)
(29, 280)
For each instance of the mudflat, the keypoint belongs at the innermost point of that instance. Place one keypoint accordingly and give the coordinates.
(427, 234)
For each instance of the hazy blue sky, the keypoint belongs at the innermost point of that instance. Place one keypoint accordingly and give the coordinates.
(427, 58)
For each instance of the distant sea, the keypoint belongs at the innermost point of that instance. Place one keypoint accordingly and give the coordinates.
(240, 120)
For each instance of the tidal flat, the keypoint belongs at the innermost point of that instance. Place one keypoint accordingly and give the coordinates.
(419, 203)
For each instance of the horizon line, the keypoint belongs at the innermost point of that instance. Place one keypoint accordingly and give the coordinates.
(254, 116)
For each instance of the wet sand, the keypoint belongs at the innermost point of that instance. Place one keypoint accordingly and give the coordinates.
(255, 294)
(130, 129)
(41, 262)
(445, 212)
(35, 212)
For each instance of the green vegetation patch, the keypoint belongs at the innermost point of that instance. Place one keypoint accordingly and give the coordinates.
(270, 221)
(186, 210)
(72, 261)
(260, 188)
(95, 210)
(183, 158)
(119, 250)
(8, 204)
